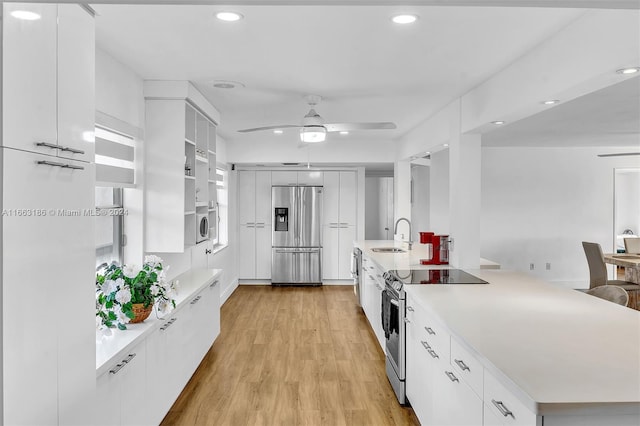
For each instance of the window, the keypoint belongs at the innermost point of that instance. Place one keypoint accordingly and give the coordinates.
(109, 225)
(115, 170)
(220, 224)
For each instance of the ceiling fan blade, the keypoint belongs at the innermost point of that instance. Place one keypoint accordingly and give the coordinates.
(257, 129)
(622, 154)
(345, 127)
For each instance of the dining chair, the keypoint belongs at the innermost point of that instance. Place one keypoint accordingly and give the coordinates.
(632, 245)
(612, 293)
(598, 269)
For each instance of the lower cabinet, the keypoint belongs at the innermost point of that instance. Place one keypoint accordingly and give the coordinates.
(141, 387)
(373, 285)
(255, 246)
(337, 243)
(439, 396)
(120, 392)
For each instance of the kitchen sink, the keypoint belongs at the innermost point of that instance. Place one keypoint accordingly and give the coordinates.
(388, 250)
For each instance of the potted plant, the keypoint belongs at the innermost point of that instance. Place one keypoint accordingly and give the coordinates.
(127, 294)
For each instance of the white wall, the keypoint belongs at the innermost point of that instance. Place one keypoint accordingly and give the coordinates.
(439, 190)
(420, 208)
(539, 204)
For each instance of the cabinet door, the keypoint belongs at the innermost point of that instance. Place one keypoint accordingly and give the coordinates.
(108, 395)
(247, 245)
(284, 177)
(29, 78)
(263, 252)
(330, 252)
(247, 197)
(345, 248)
(455, 403)
(348, 198)
(263, 198)
(133, 403)
(200, 255)
(312, 177)
(419, 390)
(76, 82)
(331, 199)
(34, 366)
(163, 360)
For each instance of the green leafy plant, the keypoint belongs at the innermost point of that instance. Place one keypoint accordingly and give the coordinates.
(119, 288)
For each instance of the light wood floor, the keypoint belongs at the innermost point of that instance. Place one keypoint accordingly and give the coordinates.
(291, 356)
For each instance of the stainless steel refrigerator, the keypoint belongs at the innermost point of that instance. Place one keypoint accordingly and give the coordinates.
(296, 243)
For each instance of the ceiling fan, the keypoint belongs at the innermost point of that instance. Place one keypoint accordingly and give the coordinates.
(314, 129)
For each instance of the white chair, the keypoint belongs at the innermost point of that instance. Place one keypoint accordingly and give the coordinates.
(632, 245)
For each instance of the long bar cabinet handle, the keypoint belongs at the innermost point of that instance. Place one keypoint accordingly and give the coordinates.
(451, 376)
(462, 365)
(502, 408)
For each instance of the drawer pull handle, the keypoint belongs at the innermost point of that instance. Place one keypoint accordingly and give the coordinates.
(426, 345)
(194, 301)
(72, 150)
(47, 145)
(452, 376)
(430, 331)
(213, 284)
(56, 164)
(433, 353)
(129, 358)
(120, 366)
(462, 365)
(502, 408)
(409, 308)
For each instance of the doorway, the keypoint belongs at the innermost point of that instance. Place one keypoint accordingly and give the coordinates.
(378, 208)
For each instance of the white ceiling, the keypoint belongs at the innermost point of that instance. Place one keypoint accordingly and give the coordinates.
(366, 68)
(607, 117)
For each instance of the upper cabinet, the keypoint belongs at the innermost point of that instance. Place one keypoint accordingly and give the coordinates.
(290, 177)
(180, 167)
(48, 69)
(340, 198)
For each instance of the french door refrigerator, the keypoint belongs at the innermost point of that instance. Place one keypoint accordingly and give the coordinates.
(296, 243)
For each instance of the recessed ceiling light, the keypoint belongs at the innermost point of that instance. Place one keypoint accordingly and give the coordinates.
(445, 145)
(631, 70)
(226, 84)
(498, 123)
(550, 102)
(229, 16)
(404, 19)
(278, 132)
(25, 15)
(344, 132)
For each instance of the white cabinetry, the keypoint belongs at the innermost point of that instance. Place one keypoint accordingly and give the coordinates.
(434, 387)
(254, 205)
(48, 72)
(372, 298)
(290, 177)
(180, 173)
(119, 390)
(45, 190)
(339, 223)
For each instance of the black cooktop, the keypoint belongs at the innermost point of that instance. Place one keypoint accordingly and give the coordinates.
(436, 276)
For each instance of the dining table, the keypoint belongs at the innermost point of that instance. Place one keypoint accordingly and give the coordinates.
(629, 261)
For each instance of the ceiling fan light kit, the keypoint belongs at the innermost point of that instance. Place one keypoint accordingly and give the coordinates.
(313, 134)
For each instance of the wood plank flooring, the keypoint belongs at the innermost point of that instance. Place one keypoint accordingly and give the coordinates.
(291, 356)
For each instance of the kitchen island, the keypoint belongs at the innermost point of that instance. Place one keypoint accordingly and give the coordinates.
(518, 351)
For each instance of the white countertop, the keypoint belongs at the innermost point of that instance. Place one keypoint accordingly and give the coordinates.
(112, 348)
(408, 260)
(564, 350)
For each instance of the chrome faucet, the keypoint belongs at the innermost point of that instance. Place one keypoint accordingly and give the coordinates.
(395, 231)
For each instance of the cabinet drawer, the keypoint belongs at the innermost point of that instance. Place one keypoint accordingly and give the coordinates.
(467, 366)
(503, 404)
(431, 334)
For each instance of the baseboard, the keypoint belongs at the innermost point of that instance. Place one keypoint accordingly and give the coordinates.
(228, 291)
(337, 282)
(254, 282)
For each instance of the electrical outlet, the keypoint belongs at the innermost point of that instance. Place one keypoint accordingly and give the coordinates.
(532, 266)
(548, 266)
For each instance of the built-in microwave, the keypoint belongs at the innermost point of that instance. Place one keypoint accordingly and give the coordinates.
(202, 222)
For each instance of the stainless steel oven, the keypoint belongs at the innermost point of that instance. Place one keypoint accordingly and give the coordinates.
(393, 314)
